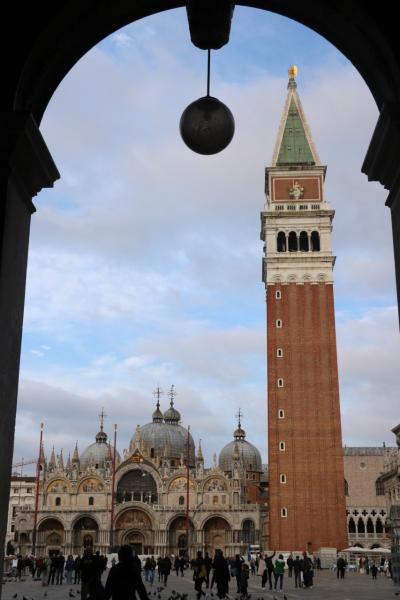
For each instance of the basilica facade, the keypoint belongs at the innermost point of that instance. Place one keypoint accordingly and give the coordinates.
(158, 497)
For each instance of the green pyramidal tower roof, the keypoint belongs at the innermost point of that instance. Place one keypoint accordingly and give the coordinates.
(294, 145)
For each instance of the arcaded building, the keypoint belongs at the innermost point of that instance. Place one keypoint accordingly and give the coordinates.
(153, 480)
(366, 506)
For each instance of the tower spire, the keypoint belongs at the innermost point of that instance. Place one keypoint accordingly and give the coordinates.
(52, 461)
(294, 143)
(75, 456)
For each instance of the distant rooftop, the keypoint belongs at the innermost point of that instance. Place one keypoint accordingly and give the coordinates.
(366, 450)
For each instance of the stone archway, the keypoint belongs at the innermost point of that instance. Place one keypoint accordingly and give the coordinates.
(52, 41)
(51, 537)
(178, 543)
(217, 535)
(135, 539)
(85, 533)
(134, 527)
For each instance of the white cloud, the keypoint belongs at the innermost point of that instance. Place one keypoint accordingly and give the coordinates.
(145, 261)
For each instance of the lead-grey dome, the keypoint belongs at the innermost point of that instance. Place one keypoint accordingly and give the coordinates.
(97, 454)
(164, 437)
(167, 440)
(240, 449)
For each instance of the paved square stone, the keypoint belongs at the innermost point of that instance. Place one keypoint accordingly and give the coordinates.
(326, 587)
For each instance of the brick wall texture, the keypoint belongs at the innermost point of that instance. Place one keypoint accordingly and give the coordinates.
(313, 458)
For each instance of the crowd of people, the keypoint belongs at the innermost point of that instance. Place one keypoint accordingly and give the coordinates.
(125, 576)
(383, 567)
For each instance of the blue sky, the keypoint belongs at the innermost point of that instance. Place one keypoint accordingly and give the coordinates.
(145, 259)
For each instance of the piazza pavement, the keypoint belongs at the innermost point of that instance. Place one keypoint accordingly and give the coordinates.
(354, 586)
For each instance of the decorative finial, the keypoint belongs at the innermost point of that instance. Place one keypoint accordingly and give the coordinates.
(239, 414)
(292, 77)
(102, 415)
(292, 71)
(172, 394)
(157, 393)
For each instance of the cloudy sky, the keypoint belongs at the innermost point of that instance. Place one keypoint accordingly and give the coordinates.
(145, 258)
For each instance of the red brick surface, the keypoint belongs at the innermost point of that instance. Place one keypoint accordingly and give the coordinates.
(313, 460)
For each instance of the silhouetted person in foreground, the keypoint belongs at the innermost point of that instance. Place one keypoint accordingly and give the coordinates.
(124, 579)
(221, 575)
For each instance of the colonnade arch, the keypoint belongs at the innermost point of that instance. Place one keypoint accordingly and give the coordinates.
(52, 41)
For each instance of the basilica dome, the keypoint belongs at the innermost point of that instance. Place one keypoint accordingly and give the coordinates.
(97, 454)
(241, 450)
(164, 437)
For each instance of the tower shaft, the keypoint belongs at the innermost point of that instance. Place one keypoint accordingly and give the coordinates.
(306, 477)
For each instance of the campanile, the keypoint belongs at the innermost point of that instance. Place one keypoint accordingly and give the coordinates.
(307, 508)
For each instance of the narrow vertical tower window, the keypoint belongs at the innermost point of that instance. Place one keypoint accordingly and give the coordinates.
(296, 231)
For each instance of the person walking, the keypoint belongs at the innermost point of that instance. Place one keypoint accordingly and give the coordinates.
(77, 569)
(308, 571)
(147, 568)
(341, 567)
(69, 568)
(90, 571)
(176, 565)
(181, 565)
(290, 562)
(124, 579)
(238, 571)
(221, 575)
(297, 571)
(279, 569)
(166, 569)
(244, 580)
(208, 562)
(374, 570)
(60, 562)
(52, 570)
(199, 574)
(269, 569)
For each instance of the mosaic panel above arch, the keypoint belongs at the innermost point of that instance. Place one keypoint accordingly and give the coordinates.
(91, 484)
(133, 519)
(58, 486)
(179, 484)
(215, 484)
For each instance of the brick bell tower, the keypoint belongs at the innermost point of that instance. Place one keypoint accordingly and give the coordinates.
(307, 507)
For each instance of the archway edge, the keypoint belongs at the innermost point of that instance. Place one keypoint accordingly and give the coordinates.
(53, 40)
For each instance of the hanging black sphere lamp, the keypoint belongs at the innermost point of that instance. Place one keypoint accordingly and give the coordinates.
(207, 125)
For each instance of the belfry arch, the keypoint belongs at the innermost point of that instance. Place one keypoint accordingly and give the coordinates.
(51, 40)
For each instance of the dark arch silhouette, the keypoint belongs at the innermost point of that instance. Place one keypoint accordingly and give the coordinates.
(51, 39)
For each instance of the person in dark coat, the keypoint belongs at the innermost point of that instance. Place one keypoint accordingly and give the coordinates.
(289, 563)
(269, 569)
(208, 563)
(297, 567)
(199, 574)
(166, 565)
(124, 579)
(237, 565)
(90, 570)
(221, 575)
